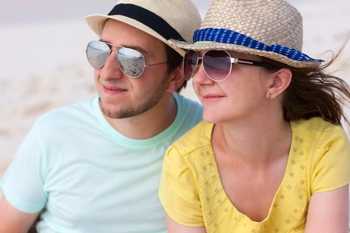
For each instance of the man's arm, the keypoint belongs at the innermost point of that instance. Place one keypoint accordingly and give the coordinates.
(329, 212)
(174, 227)
(13, 220)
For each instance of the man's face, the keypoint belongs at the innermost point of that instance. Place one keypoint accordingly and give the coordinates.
(121, 96)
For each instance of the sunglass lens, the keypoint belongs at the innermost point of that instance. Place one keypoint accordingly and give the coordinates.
(217, 64)
(132, 62)
(97, 53)
(190, 63)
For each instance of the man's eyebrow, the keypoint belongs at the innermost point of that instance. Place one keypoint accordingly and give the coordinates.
(138, 48)
(104, 41)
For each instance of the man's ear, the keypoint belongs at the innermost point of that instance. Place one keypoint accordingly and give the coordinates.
(280, 81)
(176, 80)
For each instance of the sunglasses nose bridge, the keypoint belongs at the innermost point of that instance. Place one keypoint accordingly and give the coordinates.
(201, 73)
(197, 65)
(111, 67)
(201, 76)
(112, 59)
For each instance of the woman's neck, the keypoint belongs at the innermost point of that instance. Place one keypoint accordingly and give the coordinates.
(254, 141)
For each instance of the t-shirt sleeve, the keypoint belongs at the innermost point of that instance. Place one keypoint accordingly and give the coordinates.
(23, 185)
(178, 193)
(331, 162)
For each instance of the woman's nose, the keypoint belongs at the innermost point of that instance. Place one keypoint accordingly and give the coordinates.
(201, 77)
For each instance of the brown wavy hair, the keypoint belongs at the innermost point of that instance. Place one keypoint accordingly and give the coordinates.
(314, 93)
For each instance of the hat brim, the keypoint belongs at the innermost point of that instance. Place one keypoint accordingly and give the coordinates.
(207, 45)
(96, 23)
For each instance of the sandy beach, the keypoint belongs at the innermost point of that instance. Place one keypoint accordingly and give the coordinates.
(43, 63)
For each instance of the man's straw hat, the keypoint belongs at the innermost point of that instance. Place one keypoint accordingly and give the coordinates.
(162, 19)
(267, 28)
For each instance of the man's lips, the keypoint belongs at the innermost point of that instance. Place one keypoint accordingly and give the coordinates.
(113, 89)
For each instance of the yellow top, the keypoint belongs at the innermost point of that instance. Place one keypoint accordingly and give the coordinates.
(192, 194)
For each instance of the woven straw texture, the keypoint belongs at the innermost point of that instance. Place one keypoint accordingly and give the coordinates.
(268, 21)
(272, 22)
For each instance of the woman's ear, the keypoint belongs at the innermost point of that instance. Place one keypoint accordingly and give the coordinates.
(176, 80)
(279, 82)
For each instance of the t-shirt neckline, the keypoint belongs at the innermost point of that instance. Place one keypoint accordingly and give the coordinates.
(277, 193)
(125, 141)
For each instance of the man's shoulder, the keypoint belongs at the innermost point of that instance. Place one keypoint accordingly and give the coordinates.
(65, 115)
(189, 111)
(188, 103)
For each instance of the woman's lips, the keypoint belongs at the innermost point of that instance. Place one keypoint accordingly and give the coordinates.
(209, 97)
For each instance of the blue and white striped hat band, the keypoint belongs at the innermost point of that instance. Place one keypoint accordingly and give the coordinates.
(227, 36)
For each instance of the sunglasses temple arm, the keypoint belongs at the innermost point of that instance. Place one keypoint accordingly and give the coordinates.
(241, 61)
(154, 64)
(256, 63)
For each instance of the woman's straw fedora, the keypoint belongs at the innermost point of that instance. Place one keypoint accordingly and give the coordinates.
(267, 28)
(162, 19)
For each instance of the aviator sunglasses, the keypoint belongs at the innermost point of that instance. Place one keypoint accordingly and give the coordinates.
(131, 61)
(217, 63)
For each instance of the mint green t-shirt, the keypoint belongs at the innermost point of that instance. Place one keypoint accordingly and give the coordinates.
(85, 177)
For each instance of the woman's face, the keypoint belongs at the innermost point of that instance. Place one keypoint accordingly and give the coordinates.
(242, 94)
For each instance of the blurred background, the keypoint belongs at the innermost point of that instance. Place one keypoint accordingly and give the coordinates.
(43, 63)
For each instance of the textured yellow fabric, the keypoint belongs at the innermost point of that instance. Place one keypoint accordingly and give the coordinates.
(192, 194)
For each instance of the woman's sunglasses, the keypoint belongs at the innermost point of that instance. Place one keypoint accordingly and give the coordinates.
(217, 63)
(131, 61)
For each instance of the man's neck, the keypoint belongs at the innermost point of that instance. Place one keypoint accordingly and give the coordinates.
(149, 123)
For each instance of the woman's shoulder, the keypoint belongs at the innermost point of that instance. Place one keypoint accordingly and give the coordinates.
(194, 139)
(320, 140)
(315, 138)
(325, 149)
(315, 129)
(183, 155)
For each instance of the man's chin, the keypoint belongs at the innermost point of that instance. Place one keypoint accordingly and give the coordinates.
(115, 113)
(111, 112)
(110, 109)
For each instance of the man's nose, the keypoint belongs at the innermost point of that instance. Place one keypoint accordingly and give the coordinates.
(111, 68)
